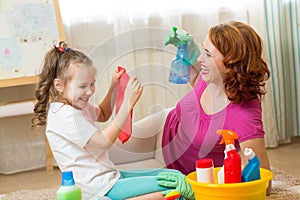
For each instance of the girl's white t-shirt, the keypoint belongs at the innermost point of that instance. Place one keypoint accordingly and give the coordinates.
(68, 132)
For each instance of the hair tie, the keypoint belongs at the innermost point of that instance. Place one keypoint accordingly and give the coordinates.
(62, 47)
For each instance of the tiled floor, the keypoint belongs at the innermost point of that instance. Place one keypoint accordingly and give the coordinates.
(284, 157)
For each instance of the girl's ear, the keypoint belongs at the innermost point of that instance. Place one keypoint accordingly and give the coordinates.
(58, 85)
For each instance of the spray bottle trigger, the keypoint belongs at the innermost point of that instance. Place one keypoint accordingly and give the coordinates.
(228, 136)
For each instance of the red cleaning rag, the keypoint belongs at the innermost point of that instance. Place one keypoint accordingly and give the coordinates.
(127, 128)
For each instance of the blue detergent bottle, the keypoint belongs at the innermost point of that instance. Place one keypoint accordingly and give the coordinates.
(68, 189)
(251, 171)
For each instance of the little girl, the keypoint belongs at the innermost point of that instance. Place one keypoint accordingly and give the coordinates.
(66, 83)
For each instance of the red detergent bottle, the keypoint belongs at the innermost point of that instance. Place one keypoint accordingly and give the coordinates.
(232, 161)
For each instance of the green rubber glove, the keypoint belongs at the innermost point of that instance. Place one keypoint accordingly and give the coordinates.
(176, 181)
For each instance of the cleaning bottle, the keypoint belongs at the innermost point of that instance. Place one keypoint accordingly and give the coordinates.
(221, 171)
(232, 160)
(68, 189)
(251, 171)
(186, 56)
(205, 170)
(180, 67)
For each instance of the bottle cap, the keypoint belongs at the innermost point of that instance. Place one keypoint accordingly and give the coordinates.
(67, 178)
(229, 147)
(204, 163)
(249, 153)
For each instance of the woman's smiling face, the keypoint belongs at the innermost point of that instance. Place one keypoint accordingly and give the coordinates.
(212, 67)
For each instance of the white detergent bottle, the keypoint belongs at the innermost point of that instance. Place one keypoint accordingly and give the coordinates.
(221, 172)
(68, 189)
(221, 176)
(205, 170)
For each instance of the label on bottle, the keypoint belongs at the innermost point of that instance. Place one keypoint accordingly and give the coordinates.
(205, 170)
(69, 193)
(232, 167)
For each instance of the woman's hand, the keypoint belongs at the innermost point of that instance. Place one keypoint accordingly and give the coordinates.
(258, 146)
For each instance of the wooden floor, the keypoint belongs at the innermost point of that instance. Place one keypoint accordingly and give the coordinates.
(284, 157)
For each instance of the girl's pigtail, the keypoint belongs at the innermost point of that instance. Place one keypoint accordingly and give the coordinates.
(45, 89)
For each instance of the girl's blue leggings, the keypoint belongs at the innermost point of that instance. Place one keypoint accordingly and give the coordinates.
(137, 182)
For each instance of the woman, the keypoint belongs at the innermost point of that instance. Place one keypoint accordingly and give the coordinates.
(227, 95)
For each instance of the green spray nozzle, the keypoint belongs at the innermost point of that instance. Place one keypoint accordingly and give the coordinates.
(179, 37)
(228, 136)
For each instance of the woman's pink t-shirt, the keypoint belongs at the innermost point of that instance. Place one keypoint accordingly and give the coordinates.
(190, 133)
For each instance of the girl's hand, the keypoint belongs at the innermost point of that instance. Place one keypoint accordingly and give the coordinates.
(133, 92)
(116, 77)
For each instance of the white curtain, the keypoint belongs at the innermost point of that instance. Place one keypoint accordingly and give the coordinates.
(282, 27)
(131, 33)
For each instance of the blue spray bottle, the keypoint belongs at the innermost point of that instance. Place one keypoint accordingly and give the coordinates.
(251, 171)
(186, 56)
(180, 67)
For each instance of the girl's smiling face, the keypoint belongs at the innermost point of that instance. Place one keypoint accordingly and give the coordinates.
(212, 67)
(80, 86)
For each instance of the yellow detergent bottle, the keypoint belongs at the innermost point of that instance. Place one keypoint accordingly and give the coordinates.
(68, 189)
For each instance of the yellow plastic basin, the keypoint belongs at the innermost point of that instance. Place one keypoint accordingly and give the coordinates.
(254, 190)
